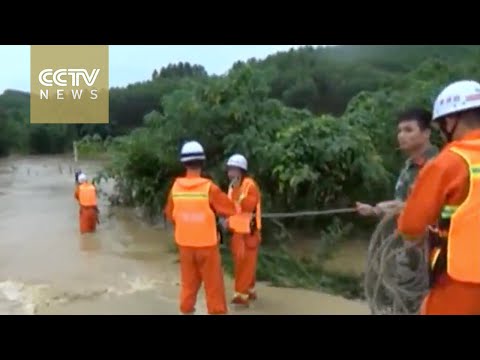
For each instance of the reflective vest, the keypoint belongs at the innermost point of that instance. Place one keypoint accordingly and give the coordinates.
(242, 222)
(87, 195)
(195, 222)
(463, 229)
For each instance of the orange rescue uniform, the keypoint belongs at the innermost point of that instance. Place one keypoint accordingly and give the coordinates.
(447, 191)
(88, 215)
(245, 239)
(191, 207)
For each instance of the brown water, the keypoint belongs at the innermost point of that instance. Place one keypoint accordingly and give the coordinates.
(47, 267)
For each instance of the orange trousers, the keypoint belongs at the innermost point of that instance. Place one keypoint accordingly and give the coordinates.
(245, 254)
(199, 265)
(451, 297)
(88, 219)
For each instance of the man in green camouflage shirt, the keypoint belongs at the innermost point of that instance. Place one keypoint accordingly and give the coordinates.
(410, 171)
(414, 141)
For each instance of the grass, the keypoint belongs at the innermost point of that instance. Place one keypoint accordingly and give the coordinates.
(281, 269)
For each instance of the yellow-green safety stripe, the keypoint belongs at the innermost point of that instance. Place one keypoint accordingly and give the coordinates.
(448, 211)
(190, 195)
(475, 171)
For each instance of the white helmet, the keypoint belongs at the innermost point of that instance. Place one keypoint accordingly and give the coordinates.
(192, 150)
(82, 178)
(238, 161)
(456, 97)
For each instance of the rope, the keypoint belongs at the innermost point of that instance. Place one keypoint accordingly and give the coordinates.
(307, 213)
(397, 274)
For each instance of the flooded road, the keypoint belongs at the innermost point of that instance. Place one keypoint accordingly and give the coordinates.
(127, 267)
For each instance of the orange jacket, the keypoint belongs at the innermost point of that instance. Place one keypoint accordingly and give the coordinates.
(448, 188)
(191, 207)
(86, 194)
(247, 199)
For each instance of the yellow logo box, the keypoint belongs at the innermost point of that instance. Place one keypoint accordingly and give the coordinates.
(69, 84)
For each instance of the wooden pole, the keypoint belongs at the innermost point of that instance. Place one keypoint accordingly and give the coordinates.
(75, 152)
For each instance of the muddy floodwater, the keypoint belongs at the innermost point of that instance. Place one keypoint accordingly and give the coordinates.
(127, 267)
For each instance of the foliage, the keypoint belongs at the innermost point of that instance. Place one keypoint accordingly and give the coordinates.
(300, 159)
(275, 111)
(321, 80)
(92, 146)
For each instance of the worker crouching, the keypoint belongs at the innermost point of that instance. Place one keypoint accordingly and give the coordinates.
(86, 195)
(191, 207)
(245, 226)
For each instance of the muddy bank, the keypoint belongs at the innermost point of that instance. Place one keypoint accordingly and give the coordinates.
(46, 267)
(272, 302)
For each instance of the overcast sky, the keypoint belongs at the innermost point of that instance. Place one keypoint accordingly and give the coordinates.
(132, 63)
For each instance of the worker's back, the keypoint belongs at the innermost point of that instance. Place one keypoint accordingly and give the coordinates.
(195, 223)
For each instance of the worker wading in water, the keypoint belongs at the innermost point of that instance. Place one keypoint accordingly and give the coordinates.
(86, 195)
(447, 192)
(192, 204)
(77, 174)
(413, 135)
(245, 228)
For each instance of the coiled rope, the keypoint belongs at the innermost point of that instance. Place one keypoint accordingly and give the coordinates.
(397, 276)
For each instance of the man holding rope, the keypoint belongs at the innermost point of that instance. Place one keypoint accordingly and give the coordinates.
(447, 191)
(414, 141)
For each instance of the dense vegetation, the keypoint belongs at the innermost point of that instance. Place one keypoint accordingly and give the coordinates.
(317, 124)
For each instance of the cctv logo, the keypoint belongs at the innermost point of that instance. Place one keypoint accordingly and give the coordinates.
(75, 75)
(48, 78)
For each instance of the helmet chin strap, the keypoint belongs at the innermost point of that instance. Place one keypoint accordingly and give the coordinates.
(448, 134)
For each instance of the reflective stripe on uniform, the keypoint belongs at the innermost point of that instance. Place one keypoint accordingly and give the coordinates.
(464, 229)
(245, 186)
(448, 211)
(182, 195)
(195, 224)
(475, 171)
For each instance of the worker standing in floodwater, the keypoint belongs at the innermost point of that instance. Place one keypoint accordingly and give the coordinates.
(246, 237)
(192, 204)
(413, 137)
(77, 174)
(447, 191)
(86, 195)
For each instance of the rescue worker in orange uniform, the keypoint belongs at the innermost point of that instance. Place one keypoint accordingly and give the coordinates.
(77, 174)
(192, 205)
(447, 193)
(245, 227)
(86, 195)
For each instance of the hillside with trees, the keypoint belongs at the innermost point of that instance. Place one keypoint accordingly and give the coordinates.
(315, 123)
(294, 114)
